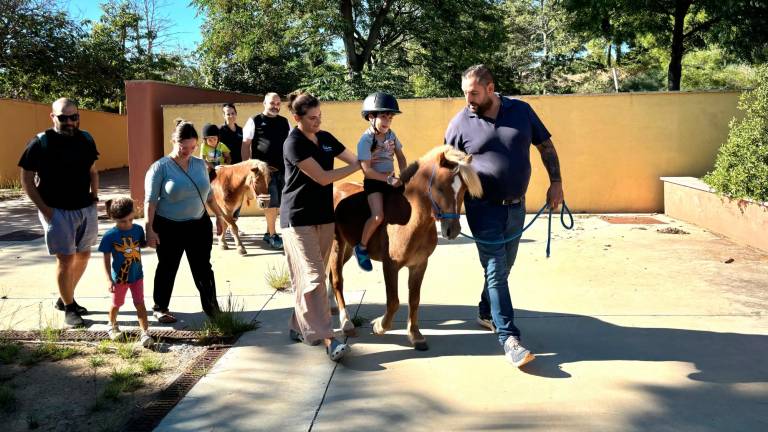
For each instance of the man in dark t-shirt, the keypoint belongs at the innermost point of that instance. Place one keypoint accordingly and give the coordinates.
(230, 133)
(58, 173)
(263, 138)
(498, 132)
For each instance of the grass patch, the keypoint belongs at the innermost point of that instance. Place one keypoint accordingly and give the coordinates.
(228, 322)
(97, 361)
(151, 364)
(277, 277)
(104, 347)
(9, 351)
(48, 351)
(50, 334)
(7, 398)
(126, 351)
(122, 380)
(12, 183)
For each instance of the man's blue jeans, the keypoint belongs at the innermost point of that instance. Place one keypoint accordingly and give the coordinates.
(489, 221)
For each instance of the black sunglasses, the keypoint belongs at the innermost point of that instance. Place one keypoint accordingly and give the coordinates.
(63, 117)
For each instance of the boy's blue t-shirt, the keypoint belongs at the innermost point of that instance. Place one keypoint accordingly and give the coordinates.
(382, 154)
(125, 247)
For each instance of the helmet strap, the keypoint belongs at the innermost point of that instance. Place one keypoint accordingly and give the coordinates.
(373, 124)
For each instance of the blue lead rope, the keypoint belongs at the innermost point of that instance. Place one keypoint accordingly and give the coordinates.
(563, 210)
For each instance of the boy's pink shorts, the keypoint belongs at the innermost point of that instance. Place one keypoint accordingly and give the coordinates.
(137, 293)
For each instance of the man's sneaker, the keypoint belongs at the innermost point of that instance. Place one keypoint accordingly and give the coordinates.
(80, 310)
(146, 340)
(276, 242)
(515, 353)
(266, 237)
(487, 322)
(337, 350)
(115, 334)
(73, 319)
(363, 259)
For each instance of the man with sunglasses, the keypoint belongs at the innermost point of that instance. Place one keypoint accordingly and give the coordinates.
(58, 173)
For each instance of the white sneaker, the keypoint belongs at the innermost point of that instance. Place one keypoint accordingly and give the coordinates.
(115, 334)
(146, 340)
(516, 353)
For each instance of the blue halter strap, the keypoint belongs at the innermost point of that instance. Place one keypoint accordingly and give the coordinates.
(438, 211)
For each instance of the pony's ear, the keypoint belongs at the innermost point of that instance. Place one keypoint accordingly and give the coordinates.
(272, 169)
(108, 206)
(444, 161)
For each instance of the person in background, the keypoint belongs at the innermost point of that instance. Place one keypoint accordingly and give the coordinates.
(213, 152)
(263, 138)
(58, 174)
(230, 133)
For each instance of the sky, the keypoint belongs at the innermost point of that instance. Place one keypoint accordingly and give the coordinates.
(185, 31)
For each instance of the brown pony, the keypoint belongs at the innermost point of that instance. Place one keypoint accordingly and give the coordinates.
(434, 184)
(231, 184)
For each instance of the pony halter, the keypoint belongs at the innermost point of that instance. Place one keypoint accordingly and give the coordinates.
(438, 211)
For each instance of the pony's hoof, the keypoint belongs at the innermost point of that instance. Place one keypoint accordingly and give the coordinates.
(351, 333)
(420, 345)
(378, 329)
(242, 251)
(223, 246)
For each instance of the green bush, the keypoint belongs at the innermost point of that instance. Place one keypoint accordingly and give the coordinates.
(741, 167)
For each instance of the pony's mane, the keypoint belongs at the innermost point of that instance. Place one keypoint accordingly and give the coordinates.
(409, 171)
(463, 167)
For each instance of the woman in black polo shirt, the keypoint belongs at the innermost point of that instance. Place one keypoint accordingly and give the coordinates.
(306, 218)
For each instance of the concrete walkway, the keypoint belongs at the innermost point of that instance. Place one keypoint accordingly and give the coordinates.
(634, 330)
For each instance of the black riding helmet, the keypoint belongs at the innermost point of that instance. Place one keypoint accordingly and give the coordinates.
(379, 102)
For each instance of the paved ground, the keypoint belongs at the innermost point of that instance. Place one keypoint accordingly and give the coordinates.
(633, 329)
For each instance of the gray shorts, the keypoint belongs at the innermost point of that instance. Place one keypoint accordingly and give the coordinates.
(70, 231)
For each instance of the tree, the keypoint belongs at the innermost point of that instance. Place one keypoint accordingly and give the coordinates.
(682, 24)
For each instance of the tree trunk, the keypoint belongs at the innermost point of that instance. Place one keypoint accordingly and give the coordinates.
(675, 71)
(348, 37)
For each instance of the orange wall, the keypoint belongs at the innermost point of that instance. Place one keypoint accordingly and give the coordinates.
(613, 147)
(23, 120)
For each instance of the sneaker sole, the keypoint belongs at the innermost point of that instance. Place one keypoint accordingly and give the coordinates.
(527, 359)
(484, 324)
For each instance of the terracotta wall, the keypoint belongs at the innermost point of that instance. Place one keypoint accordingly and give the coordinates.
(23, 120)
(144, 101)
(613, 147)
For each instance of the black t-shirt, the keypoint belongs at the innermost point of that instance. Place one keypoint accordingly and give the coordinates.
(63, 166)
(233, 140)
(306, 202)
(268, 138)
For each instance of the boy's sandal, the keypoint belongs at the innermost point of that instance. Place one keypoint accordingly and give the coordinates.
(164, 317)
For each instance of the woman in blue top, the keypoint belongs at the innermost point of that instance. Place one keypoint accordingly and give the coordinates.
(177, 190)
(306, 217)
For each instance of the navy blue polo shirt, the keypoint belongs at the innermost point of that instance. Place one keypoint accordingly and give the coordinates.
(306, 202)
(500, 148)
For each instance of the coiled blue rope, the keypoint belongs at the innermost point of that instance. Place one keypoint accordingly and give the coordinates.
(564, 208)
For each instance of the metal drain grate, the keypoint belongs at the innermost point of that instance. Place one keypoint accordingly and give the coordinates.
(21, 235)
(93, 336)
(152, 414)
(630, 220)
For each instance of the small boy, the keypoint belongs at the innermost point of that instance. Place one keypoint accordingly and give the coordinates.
(376, 151)
(122, 262)
(213, 152)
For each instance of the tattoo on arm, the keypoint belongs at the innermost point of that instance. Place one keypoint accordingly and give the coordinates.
(550, 160)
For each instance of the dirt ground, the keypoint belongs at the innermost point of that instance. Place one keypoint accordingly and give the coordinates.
(73, 394)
